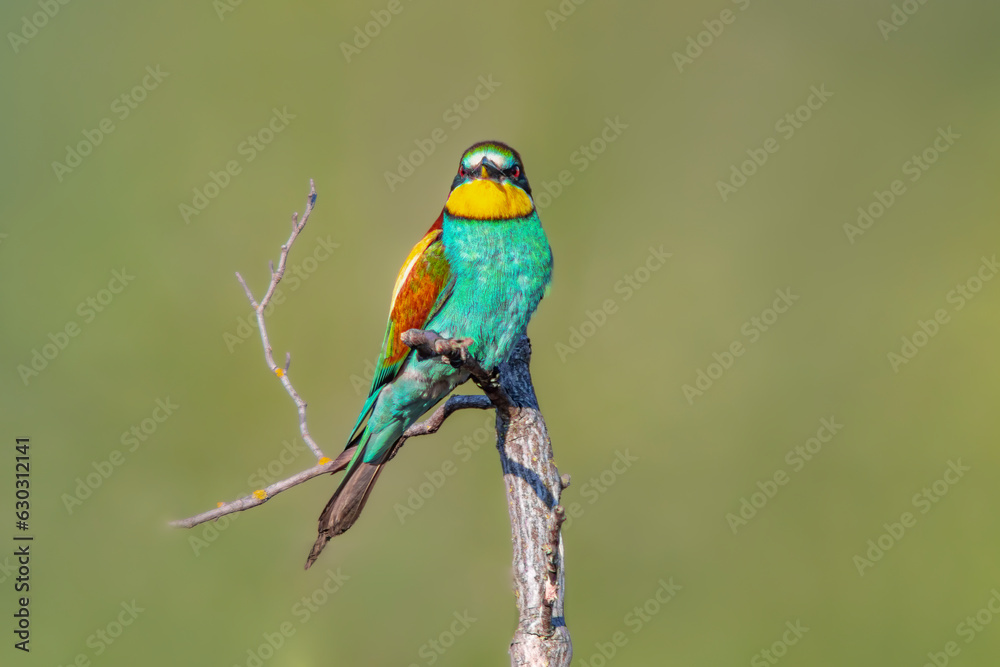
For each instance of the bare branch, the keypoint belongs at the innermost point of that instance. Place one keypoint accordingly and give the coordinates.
(261, 496)
(533, 487)
(276, 275)
(434, 422)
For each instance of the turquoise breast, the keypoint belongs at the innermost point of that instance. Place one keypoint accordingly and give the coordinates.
(501, 269)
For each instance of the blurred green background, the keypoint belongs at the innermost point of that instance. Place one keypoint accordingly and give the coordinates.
(611, 359)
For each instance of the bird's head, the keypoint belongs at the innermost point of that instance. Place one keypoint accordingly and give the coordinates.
(490, 184)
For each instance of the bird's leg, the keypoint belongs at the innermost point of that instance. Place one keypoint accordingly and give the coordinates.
(455, 351)
(450, 348)
(429, 344)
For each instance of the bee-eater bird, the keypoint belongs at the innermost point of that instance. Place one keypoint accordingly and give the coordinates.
(479, 273)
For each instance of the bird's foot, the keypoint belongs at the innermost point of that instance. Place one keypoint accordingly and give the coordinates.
(454, 351)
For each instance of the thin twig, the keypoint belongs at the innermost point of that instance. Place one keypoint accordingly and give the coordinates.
(282, 373)
(434, 422)
(261, 496)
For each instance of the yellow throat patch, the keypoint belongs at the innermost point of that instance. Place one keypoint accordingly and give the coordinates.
(489, 200)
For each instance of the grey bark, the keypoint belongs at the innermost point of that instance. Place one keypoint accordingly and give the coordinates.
(533, 487)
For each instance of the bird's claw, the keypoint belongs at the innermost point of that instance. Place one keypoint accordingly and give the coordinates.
(448, 348)
(454, 351)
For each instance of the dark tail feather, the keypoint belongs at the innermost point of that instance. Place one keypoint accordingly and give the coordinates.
(345, 506)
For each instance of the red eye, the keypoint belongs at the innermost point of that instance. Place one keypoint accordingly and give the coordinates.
(516, 172)
(461, 171)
